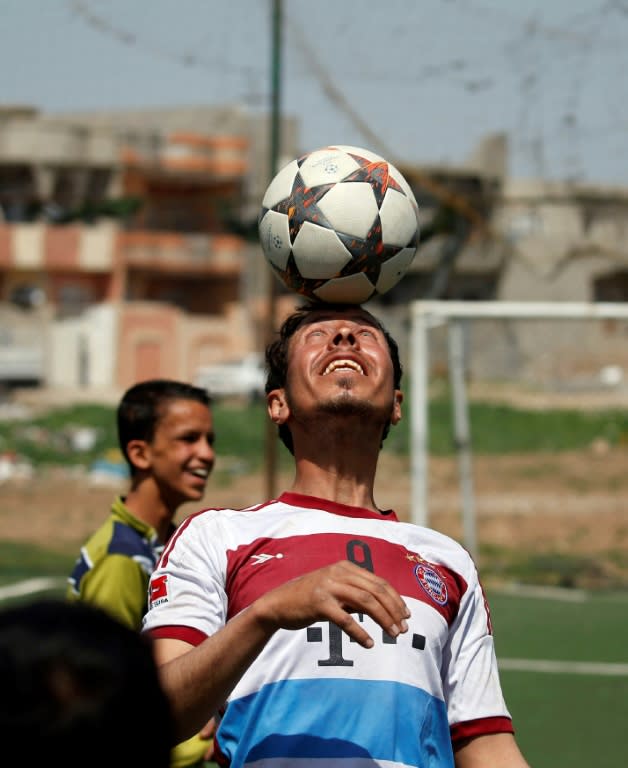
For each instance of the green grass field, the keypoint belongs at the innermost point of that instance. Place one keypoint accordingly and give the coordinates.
(564, 718)
(241, 431)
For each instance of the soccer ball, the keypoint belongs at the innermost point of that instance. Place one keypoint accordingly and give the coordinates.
(339, 224)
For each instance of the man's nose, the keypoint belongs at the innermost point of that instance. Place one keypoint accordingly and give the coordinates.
(345, 335)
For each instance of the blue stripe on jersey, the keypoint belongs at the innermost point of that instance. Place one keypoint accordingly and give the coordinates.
(81, 567)
(337, 719)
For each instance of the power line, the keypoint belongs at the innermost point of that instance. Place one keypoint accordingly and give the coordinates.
(385, 45)
(131, 39)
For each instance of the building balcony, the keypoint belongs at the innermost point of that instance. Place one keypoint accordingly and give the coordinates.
(171, 252)
(29, 142)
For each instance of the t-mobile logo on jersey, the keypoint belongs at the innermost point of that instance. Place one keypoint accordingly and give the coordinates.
(336, 659)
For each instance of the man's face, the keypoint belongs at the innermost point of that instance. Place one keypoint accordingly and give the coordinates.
(181, 453)
(339, 362)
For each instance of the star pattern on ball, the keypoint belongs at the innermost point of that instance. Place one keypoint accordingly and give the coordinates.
(368, 254)
(301, 201)
(377, 174)
(299, 284)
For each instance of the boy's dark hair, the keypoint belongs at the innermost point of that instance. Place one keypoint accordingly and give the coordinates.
(277, 353)
(82, 684)
(142, 405)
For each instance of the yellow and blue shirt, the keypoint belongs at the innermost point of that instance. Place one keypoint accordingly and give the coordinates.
(112, 572)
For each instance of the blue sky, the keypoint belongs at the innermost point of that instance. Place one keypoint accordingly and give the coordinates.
(428, 78)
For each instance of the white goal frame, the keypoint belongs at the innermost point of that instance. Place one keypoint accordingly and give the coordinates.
(428, 314)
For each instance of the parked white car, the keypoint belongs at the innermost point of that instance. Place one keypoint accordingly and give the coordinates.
(238, 378)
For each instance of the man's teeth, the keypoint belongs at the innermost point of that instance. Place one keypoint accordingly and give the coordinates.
(340, 364)
(204, 473)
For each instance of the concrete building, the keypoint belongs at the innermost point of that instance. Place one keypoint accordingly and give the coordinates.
(532, 241)
(122, 232)
(128, 248)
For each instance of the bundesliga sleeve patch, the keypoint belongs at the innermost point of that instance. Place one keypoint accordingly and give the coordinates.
(158, 590)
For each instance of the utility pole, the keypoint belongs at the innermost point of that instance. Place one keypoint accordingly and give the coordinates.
(275, 144)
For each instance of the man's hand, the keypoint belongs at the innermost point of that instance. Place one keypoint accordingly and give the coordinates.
(332, 593)
(199, 679)
(207, 732)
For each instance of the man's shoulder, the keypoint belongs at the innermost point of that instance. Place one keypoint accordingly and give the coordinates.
(209, 516)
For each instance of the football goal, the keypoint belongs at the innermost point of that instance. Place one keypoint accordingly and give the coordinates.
(493, 334)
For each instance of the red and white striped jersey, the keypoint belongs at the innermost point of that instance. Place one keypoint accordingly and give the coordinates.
(313, 697)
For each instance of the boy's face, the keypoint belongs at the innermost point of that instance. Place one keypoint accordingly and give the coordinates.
(181, 454)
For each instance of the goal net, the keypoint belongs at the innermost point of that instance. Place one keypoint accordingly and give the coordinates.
(552, 348)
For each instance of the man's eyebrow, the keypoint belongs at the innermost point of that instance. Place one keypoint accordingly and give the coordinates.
(357, 318)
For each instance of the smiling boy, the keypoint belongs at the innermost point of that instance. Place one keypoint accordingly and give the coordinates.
(166, 435)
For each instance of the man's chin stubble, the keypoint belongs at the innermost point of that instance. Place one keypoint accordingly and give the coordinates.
(344, 404)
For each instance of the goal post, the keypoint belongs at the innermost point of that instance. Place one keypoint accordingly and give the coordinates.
(425, 316)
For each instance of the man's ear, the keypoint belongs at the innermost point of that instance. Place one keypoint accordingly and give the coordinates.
(277, 407)
(138, 453)
(395, 416)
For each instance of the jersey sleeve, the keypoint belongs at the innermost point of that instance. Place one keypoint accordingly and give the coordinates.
(475, 702)
(118, 584)
(187, 597)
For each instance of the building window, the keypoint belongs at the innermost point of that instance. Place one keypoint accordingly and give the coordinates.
(612, 287)
(73, 299)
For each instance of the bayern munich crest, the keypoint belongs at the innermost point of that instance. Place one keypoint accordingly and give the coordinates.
(432, 583)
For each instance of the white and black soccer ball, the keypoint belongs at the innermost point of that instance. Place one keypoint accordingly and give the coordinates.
(339, 224)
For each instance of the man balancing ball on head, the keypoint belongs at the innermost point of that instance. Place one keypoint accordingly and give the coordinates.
(317, 627)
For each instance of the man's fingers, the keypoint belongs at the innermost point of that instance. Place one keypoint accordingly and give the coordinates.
(351, 588)
(352, 628)
(332, 593)
(207, 731)
(356, 599)
(375, 590)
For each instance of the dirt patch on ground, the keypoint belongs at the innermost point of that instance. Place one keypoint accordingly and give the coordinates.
(528, 508)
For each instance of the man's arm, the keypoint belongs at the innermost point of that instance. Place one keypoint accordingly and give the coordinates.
(199, 679)
(497, 750)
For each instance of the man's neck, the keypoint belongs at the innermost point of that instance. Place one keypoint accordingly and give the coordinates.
(340, 478)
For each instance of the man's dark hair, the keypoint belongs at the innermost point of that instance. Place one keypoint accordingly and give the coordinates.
(142, 406)
(277, 352)
(83, 685)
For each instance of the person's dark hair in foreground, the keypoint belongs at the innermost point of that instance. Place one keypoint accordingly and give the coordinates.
(74, 677)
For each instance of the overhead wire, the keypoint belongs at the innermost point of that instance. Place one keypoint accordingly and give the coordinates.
(539, 51)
